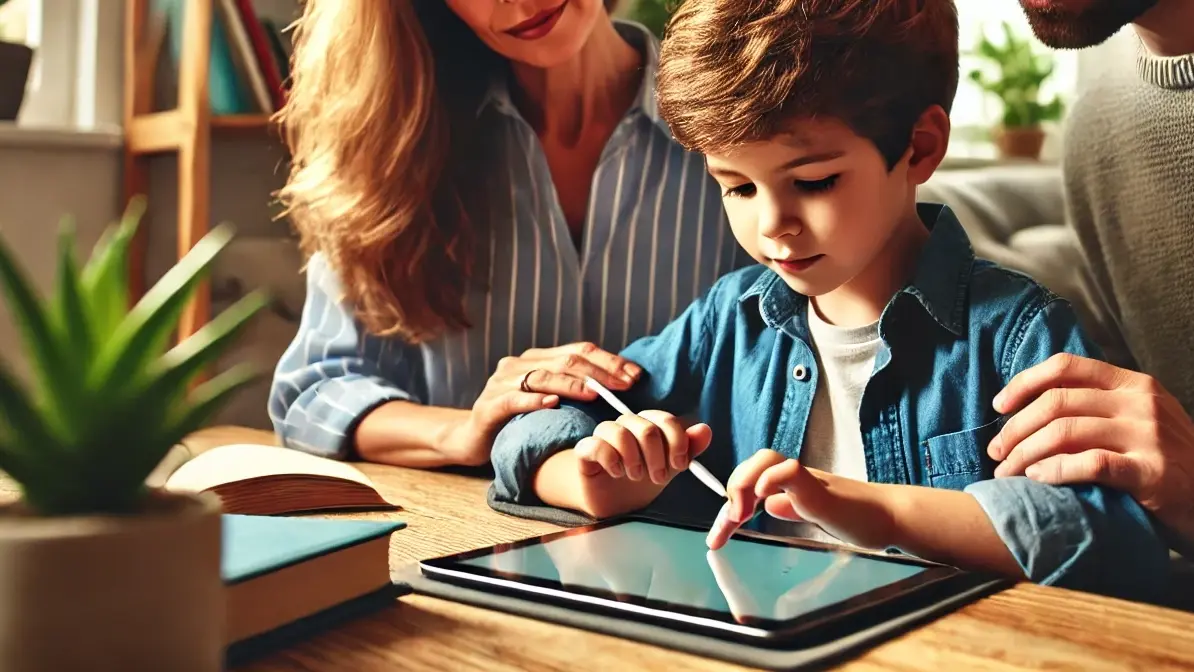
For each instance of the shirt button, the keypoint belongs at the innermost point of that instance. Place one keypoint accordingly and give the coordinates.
(800, 373)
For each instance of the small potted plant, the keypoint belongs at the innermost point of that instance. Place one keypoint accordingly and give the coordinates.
(1021, 72)
(15, 61)
(97, 570)
(652, 14)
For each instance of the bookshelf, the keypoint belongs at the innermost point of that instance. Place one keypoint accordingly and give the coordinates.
(185, 131)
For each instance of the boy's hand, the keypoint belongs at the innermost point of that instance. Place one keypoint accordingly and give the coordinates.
(856, 512)
(653, 445)
(626, 464)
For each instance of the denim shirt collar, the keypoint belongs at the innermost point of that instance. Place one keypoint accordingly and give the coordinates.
(939, 285)
(498, 94)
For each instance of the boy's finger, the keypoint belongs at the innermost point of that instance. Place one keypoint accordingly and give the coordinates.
(805, 492)
(722, 529)
(675, 439)
(650, 441)
(699, 437)
(780, 506)
(741, 487)
(624, 442)
(595, 452)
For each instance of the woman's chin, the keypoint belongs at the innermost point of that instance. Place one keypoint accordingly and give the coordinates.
(554, 49)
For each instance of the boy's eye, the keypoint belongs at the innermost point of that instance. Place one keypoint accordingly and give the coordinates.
(741, 191)
(814, 186)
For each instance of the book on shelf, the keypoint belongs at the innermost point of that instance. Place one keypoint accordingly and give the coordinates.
(249, 56)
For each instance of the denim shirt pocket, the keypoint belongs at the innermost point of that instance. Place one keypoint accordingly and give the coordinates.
(955, 460)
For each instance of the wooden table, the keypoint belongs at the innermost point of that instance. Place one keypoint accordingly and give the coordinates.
(1024, 627)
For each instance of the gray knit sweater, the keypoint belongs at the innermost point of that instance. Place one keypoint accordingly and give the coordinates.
(1129, 173)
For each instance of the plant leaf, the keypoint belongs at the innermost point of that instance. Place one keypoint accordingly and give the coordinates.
(33, 322)
(105, 277)
(69, 308)
(204, 402)
(184, 361)
(30, 441)
(145, 331)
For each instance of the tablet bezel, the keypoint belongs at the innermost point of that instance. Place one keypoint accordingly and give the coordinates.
(450, 568)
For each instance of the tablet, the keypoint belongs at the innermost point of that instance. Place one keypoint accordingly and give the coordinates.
(759, 590)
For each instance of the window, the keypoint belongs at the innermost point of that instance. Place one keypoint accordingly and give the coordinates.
(75, 81)
(975, 111)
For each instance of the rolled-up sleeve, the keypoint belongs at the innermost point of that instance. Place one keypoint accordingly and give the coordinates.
(334, 372)
(673, 364)
(1084, 537)
(524, 445)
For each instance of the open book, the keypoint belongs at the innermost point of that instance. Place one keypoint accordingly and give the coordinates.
(267, 480)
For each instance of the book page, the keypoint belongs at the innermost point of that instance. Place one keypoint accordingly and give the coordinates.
(239, 462)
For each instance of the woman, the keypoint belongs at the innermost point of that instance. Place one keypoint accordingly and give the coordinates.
(486, 189)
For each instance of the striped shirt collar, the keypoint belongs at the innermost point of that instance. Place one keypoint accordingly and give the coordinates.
(639, 37)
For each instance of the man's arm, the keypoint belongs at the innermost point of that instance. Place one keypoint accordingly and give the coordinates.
(1088, 537)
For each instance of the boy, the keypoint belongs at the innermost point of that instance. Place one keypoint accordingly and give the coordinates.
(864, 351)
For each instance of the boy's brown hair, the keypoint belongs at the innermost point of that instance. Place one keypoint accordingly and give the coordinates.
(734, 71)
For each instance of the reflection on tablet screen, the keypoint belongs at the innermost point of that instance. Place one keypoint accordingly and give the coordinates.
(744, 578)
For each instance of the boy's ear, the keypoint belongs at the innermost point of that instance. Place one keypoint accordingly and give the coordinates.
(930, 141)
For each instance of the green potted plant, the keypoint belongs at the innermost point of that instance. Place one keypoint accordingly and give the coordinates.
(15, 61)
(653, 14)
(1020, 73)
(99, 571)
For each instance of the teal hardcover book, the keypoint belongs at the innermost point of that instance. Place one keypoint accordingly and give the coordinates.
(256, 545)
(288, 577)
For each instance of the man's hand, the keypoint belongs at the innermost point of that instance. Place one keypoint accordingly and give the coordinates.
(1080, 420)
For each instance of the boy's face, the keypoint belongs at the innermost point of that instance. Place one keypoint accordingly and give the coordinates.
(817, 204)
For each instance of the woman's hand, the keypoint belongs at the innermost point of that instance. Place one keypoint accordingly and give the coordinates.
(537, 379)
(1080, 420)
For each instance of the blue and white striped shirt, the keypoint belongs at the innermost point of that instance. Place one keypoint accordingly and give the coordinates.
(655, 237)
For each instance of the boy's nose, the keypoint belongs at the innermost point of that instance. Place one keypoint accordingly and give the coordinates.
(775, 223)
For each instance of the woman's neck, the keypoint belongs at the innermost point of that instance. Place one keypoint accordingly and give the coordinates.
(597, 86)
(1168, 28)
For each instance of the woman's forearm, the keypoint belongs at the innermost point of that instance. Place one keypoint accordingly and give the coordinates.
(412, 435)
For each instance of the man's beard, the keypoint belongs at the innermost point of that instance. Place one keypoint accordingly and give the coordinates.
(1062, 29)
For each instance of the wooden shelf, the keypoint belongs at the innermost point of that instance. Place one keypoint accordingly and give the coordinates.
(248, 122)
(185, 131)
(166, 131)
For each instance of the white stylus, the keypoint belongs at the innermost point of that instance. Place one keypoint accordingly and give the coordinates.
(703, 475)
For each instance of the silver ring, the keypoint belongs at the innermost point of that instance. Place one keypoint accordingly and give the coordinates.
(525, 377)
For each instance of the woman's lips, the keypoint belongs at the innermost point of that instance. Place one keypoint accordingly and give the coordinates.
(798, 265)
(538, 25)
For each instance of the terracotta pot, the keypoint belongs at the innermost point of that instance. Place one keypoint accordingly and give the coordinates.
(137, 592)
(15, 60)
(1019, 143)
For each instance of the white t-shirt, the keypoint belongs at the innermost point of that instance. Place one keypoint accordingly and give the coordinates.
(833, 439)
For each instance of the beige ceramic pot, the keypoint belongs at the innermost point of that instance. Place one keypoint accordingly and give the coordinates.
(1020, 143)
(138, 592)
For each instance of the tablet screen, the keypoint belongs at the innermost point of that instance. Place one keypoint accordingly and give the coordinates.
(649, 563)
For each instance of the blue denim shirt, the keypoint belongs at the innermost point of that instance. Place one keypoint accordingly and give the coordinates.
(740, 359)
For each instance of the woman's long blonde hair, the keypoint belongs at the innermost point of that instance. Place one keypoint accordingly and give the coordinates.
(378, 156)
